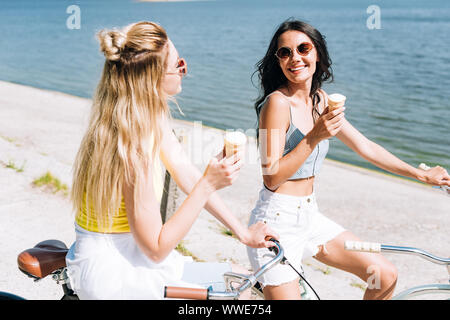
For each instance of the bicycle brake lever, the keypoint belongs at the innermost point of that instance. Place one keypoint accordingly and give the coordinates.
(443, 188)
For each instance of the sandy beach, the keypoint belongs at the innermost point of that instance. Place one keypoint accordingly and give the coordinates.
(40, 132)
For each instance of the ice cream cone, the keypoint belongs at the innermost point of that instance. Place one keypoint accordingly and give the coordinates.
(234, 142)
(336, 100)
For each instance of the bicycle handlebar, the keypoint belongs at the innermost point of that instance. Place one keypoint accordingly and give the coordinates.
(250, 281)
(362, 246)
(376, 247)
(186, 293)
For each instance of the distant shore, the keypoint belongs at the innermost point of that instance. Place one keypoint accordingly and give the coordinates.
(169, 0)
(190, 122)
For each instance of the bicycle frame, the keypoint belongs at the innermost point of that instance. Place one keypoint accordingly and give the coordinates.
(245, 282)
(249, 281)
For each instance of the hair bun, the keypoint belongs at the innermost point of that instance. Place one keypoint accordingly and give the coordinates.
(112, 43)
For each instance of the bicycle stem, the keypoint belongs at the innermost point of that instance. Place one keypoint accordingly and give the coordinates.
(252, 279)
(416, 251)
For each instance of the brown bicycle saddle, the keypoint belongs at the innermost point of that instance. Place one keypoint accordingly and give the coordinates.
(46, 257)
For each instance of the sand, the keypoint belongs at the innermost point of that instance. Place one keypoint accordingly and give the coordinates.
(41, 130)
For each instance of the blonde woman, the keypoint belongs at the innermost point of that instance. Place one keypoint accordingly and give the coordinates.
(122, 248)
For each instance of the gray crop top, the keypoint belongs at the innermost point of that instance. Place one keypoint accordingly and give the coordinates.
(313, 163)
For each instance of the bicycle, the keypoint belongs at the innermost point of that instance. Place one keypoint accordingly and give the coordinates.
(48, 258)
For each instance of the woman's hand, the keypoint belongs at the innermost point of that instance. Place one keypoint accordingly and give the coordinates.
(436, 176)
(257, 235)
(328, 124)
(222, 172)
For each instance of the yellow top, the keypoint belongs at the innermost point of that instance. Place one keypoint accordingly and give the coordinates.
(119, 222)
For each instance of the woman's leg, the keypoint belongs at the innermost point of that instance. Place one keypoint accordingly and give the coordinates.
(373, 268)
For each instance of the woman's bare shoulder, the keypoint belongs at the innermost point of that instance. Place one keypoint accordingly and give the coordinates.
(275, 105)
(275, 111)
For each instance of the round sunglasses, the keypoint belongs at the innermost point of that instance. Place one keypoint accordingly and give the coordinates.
(181, 67)
(303, 49)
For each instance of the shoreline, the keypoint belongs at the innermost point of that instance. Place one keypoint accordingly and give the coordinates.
(191, 122)
(40, 131)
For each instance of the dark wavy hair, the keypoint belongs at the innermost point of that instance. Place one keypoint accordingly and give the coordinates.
(271, 76)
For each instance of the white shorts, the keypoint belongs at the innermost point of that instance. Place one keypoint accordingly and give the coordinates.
(112, 266)
(301, 227)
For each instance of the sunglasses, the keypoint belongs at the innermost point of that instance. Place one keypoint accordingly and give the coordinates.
(303, 49)
(181, 67)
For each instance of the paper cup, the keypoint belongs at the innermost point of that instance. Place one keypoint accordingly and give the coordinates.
(335, 101)
(234, 142)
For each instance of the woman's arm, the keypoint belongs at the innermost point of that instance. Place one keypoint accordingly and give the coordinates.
(157, 240)
(185, 174)
(383, 159)
(274, 123)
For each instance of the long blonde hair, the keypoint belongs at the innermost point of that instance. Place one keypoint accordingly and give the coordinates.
(123, 134)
